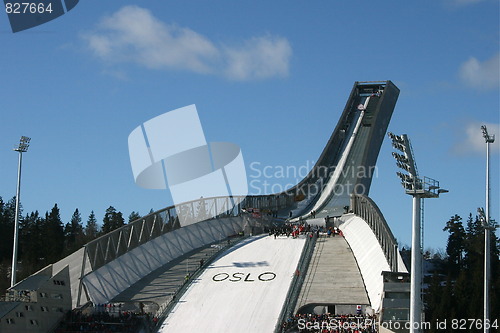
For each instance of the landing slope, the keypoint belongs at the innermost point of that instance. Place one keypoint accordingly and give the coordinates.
(242, 291)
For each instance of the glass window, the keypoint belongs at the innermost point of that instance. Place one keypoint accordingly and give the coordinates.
(396, 314)
(397, 295)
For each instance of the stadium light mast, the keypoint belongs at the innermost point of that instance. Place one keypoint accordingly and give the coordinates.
(419, 189)
(21, 148)
(487, 228)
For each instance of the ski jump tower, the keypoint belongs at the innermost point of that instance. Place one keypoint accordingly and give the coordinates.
(336, 190)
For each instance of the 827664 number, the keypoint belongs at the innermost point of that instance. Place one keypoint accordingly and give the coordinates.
(28, 7)
(469, 324)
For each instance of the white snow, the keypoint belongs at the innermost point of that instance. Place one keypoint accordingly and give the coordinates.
(242, 291)
(334, 179)
(369, 255)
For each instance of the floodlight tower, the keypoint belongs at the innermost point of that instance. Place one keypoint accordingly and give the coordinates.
(487, 228)
(419, 189)
(21, 148)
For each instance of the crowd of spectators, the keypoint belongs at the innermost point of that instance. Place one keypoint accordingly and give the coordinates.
(289, 229)
(104, 318)
(294, 230)
(330, 323)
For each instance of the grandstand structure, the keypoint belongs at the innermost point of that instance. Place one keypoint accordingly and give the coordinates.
(250, 283)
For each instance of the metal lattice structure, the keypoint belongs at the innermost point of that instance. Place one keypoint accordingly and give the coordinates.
(116, 243)
(104, 267)
(171, 230)
(366, 208)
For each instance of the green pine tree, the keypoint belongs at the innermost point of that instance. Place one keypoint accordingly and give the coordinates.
(133, 216)
(53, 235)
(456, 244)
(92, 228)
(112, 220)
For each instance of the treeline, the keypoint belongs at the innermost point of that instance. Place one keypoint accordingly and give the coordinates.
(45, 239)
(454, 289)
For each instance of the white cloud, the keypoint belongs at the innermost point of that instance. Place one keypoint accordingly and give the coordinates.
(481, 75)
(472, 140)
(134, 35)
(260, 57)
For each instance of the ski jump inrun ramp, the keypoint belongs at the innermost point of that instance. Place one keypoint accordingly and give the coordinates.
(247, 287)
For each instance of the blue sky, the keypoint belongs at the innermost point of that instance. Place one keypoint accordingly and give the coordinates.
(270, 76)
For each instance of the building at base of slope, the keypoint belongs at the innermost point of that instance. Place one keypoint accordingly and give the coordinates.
(37, 303)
